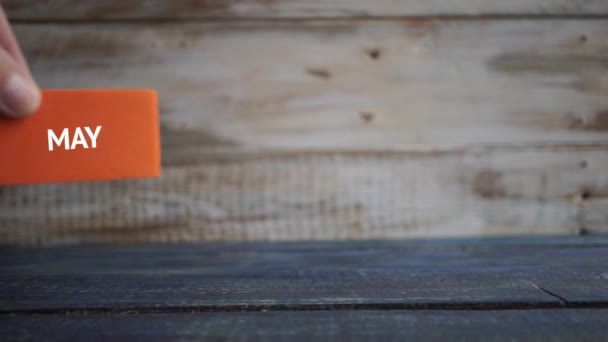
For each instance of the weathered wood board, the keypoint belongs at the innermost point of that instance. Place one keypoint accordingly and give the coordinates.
(336, 129)
(323, 196)
(365, 325)
(321, 276)
(213, 9)
(346, 84)
(486, 289)
(494, 128)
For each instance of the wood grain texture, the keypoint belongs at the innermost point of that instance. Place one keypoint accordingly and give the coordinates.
(345, 84)
(311, 276)
(213, 9)
(428, 325)
(481, 289)
(261, 196)
(342, 129)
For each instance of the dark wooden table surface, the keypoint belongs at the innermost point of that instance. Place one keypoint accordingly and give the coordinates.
(493, 289)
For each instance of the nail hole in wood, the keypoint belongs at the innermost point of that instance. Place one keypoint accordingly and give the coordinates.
(319, 73)
(367, 117)
(585, 195)
(583, 164)
(583, 38)
(374, 53)
(577, 122)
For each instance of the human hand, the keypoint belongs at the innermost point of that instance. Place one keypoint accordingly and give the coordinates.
(19, 94)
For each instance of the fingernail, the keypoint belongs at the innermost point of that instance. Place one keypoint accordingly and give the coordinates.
(19, 97)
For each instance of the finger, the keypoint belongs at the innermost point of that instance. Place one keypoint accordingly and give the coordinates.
(19, 95)
(9, 43)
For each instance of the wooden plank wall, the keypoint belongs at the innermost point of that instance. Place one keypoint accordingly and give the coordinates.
(292, 119)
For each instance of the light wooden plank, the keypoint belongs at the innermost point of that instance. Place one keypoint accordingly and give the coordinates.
(162, 9)
(283, 130)
(428, 325)
(345, 84)
(323, 195)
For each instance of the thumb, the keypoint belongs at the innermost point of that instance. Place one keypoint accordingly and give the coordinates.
(19, 95)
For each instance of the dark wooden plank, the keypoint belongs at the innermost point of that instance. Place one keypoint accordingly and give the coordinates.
(313, 276)
(220, 258)
(297, 289)
(574, 288)
(504, 325)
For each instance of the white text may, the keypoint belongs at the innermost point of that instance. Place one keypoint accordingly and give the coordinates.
(74, 141)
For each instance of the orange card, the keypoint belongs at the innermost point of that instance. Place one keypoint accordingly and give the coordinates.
(79, 135)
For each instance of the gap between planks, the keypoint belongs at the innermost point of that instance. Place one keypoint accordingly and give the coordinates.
(489, 306)
(295, 8)
(410, 18)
